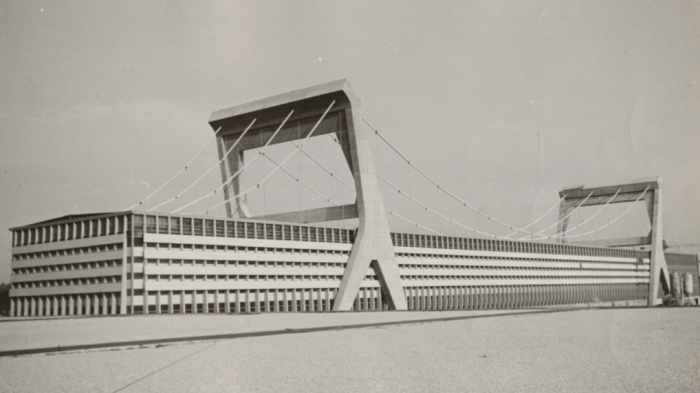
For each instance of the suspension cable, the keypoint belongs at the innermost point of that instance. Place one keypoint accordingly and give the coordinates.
(337, 204)
(441, 188)
(279, 165)
(393, 213)
(636, 218)
(538, 219)
(324, 168)
(591, 217)
(207, 171)
(617, 235)
(181, 171)
(582, 219)
(298, 180)
(428, 209)
(562, 235)
(539, 233)
(239, 171)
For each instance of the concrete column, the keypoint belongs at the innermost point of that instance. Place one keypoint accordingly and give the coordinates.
(194, 302)
(205, 302)
(145, 303)
(256, 307)
(79, 305)
(63, 305)
(267, 299)
(71, 305)
(329, 306)
(39, 306)
(276, 301)
(95, 304)
(474, 298)
(367, 299)
(468, 302)
(182, 302)
(409, 298)
(227, 299)
(312, 300)
(171, 308)
(237, 301)
(302, 295)
(564, 298)
(285, 300)
(446, 295)
(427, 298)
(105, 304)
(87, 304)
(13, 307)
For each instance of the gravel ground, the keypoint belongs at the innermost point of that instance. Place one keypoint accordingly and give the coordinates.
(580, 351)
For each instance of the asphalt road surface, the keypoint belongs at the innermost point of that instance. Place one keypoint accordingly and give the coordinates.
(613, 350)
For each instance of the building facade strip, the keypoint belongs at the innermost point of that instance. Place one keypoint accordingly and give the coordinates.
(67, 290)
(518, 255)
(488, 273)
(517, 263)
(510, 281)
(273, 272)
(69, 259)
(243, 270)
(242, 242)
(523, 247)
(67, 274)
(258, 256)
(246, 285)
(68, 244)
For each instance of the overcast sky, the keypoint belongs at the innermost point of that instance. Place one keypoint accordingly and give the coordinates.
(101, 102)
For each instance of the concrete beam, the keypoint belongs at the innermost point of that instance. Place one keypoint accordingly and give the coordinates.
(322, 214)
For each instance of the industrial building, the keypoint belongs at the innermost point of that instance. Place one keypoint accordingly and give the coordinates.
(139, 262)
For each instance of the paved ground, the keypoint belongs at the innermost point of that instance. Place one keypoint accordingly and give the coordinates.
(40, 333)
(581, 351)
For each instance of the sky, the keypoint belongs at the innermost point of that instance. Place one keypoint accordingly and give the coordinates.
(502, 102)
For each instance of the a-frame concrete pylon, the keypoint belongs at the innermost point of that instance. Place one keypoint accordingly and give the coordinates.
(628, 192)
(372, 247)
